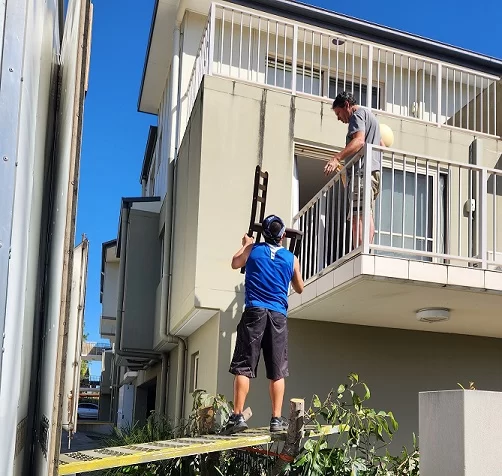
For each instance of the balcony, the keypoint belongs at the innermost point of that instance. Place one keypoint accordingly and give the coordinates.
(107, 327)
(262, 49)
(436, 242)
(94, 350)
(108, 290)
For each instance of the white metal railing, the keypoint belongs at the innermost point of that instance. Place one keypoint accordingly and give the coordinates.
(427, 209)
(268, 50)
(201, 65)
(157, 185)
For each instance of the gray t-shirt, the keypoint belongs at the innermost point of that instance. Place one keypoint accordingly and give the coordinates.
(364, 120)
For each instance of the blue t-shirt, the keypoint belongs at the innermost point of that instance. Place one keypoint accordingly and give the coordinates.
(269, 270)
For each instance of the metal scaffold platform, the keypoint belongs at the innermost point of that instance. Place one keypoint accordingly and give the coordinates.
(117, 456)
(113, 457)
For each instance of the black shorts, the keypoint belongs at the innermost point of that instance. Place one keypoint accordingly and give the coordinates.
(258, 329)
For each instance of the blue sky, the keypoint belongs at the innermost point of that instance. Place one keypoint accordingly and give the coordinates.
(115, 133)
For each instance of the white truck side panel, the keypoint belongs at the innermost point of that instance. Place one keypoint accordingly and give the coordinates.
(73, 77)
(39, 164)
(30, 52)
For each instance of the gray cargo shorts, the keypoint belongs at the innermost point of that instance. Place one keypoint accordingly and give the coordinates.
(356, 196)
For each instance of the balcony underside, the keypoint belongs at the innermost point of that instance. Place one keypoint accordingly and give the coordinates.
(386, 292)
(107, 327)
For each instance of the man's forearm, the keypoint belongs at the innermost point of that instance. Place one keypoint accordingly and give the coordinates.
(351, 149)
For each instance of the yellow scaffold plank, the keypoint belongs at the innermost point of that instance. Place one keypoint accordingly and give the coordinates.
(104, 458)
(325, 430)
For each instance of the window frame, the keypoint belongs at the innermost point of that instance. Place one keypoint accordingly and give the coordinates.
(432, 205)
(194, 373)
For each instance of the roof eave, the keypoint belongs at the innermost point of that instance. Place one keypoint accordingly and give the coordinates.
(147, 55)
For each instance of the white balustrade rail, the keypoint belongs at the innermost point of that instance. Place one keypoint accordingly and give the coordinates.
(260, 48)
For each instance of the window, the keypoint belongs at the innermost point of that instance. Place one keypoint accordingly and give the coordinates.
(359, 91)
(194, 383)
(410, 212)
(279, 73)
(158, 150)
(151, 183)
(310, 80)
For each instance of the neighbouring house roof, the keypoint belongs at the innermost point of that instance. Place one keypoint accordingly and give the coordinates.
(312, 15)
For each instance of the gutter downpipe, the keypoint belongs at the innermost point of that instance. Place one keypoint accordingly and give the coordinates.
(165, 299)
(163, 382)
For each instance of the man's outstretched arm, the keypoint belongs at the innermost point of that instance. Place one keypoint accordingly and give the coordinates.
(352, 148)
(297, 280)
(239, 259)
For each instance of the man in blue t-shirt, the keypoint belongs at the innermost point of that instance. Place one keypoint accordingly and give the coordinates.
(270, 269)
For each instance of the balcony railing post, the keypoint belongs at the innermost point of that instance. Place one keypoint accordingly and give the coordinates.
(368, 152)
(495, 130)
(294, 64)
(369, 90)
(440, 81)
(483, 217)
(212, 26)
(321, 233)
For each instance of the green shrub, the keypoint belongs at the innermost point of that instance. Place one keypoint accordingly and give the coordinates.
(361, 438)
(358, 447)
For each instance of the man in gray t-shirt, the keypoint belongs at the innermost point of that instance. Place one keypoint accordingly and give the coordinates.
(363, 129)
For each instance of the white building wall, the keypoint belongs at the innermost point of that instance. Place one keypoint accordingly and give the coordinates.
(110, 289)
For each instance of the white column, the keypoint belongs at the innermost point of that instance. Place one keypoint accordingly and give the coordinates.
(460, 433)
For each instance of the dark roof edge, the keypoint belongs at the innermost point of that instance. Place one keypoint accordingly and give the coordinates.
(149, 148)
(147, 55)
(128, 201)
(377, 33)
